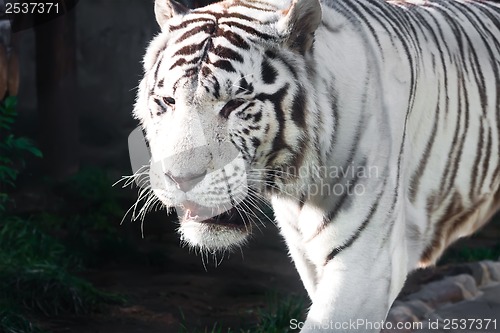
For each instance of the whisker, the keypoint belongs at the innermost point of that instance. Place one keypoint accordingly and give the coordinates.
(247, 211)
(251, 201)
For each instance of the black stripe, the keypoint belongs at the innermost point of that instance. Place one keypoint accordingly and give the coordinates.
(458, 151)
(233, 38)
(206, 71)
(422, 164)
(279, 142)
(208, 28)
(275, 56)
(249, 30)
(216, 86)
(186, 23)
(244, 87)
(475, 176)
(162, 109)
(486, 160)
(358, 232)
(268, 72)
(299, 108)
(332, 214)
(183, 61)
(191, 48)
(155, 75)
(336, 119)
(225, 65)
(226, 53)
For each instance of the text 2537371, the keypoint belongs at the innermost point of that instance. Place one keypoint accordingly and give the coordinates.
(32, 8)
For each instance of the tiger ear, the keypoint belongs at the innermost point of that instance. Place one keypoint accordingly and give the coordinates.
(166, 9)
(300, 22)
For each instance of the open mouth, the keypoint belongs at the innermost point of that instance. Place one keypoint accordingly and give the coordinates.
(197, 213)
(213, 229)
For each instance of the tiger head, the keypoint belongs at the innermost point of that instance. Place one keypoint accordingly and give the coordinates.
(225, 104)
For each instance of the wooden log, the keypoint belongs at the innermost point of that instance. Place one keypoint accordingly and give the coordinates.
(13, 74)
(3, 71)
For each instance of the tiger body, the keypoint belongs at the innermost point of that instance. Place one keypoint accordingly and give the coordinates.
(373, 128)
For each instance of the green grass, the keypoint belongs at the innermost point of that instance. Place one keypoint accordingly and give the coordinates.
(276, 318)
(89, 217)
(460, 252)
(93, 201)
(215, 329)
(12, 322)
(38, 278)
(38, 272)
(465, 254)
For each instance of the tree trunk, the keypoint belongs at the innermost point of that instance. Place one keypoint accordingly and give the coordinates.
(5, 45)
(56, 93)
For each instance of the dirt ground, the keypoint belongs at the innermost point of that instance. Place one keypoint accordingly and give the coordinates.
(186, 291)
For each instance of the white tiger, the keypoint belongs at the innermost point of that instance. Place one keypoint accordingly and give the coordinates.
(371, 126)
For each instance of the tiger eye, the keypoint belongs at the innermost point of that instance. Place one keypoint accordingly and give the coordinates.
(169, 100)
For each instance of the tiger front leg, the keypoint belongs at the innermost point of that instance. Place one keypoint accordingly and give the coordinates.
(359, 282)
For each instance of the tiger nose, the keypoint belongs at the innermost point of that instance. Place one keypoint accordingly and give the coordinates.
(186, 183)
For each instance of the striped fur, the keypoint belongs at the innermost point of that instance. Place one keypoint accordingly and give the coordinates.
(373, 128)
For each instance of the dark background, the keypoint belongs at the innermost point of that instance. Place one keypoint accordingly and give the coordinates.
(110, 37)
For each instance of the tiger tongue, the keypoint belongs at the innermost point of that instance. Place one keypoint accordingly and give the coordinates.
(187, 214)
(194, 211)
(192, 215)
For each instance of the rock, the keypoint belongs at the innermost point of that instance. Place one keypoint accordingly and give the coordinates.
(401, 313)
(397, 315)
(419, 308)
(470, 298)
(493, 271)
(477, 270)
(491, 294)
(449, 290)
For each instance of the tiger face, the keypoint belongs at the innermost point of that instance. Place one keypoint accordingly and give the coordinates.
(223, 111)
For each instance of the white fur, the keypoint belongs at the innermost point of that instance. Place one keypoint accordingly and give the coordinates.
(372, 86)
